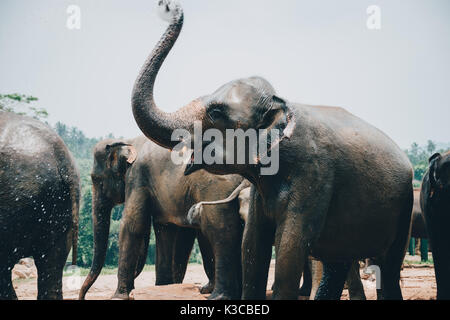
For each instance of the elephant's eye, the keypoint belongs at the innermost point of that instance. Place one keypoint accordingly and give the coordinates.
(216, 112)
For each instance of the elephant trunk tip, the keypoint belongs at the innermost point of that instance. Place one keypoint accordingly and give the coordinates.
(86, 286)
(169, 10)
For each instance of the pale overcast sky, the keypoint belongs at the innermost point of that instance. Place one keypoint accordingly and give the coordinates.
(316, 52)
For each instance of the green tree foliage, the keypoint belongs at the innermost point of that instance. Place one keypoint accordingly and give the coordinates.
(419, 155)
(22, 104)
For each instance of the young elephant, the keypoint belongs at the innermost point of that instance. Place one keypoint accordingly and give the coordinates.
(39, 202)
(435, 204)
(141, 175)
(312, 272)
(342, 191)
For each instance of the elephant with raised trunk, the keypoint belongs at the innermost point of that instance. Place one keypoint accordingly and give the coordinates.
(435, 204)
(343, 190)
(141, 174)
(39, 203)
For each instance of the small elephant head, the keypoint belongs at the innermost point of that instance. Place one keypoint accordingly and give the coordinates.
(439, 173)
(111, 161)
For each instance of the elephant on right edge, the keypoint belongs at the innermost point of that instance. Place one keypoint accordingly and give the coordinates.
(435, 204)
(312, 273)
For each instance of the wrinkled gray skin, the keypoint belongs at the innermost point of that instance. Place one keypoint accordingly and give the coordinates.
(141, 175)
(435, 204)
(39, 203)
(312, 273)
(343, 191)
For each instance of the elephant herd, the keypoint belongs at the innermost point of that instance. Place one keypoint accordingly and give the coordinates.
(343, 192)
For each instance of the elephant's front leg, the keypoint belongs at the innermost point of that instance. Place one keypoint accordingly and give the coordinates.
(133, 230)
(256, 250)
(298, 229)
(292, 254)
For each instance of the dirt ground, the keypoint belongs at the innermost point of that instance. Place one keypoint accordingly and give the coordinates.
(418, 283)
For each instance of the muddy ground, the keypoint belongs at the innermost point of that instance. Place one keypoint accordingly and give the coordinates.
(418, 283)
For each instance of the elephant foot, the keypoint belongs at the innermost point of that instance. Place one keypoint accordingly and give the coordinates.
(164, 280)
(207, 288)
(9, 296)
(358, 297)
(304, 291)
(122, 296)
(220, 296)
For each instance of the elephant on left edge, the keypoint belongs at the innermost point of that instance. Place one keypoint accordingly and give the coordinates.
(39, 203)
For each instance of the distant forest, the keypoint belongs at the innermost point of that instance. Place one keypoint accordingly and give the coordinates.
(82, 148)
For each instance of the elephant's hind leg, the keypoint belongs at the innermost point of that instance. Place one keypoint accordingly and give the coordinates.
(305, 289)
(355, 286)
(393, 260)
(50, 266)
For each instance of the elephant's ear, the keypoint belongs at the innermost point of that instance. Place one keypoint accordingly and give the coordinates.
(434, 159)
(276, 109)
(132, 154)
(279, 113)
(120, 155)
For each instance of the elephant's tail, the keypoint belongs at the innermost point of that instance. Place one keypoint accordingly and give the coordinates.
(244, 184)
(195, 212)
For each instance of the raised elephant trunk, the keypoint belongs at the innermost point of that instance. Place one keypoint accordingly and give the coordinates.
(156, 124)
(101, 214)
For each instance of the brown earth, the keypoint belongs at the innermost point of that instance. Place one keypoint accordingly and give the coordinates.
(418, 283)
